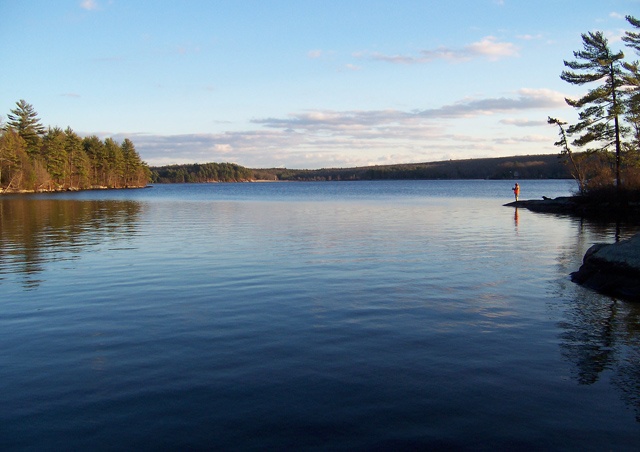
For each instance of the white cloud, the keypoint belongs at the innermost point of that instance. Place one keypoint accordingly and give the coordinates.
(266, 149)
(523, 122)
(615, 35)
(489, 47)
(526, 99)
(492, 48)
(223, 148)
(528, 37)
(522, 139)
(397, 59)
(370, 120)
(89, 5)
(325, 138)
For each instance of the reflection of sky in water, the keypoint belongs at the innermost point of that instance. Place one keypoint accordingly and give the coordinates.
(443, 311)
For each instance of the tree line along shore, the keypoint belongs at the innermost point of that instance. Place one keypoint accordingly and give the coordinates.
(38, 159)
(522, 167)
(35, 159)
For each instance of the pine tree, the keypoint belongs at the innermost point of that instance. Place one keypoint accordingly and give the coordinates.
(55, 155)
(31, 159)
(25, 120)
(12, 155)
(94, 148)
(136, 171)
(632, 40)
(115, 162)
(602, 107)
(78, 166)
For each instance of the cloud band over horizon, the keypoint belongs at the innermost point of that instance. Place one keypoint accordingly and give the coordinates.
(323, 138)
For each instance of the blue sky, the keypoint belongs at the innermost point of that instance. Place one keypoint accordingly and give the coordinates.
(302, 83)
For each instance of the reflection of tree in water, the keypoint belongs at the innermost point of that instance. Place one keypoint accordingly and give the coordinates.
(35, 232)
(627, 376)
(588, 339)
(598, 332)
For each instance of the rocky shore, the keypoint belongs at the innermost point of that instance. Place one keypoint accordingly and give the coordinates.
(613, 269)
(9, 191)
(577, 206)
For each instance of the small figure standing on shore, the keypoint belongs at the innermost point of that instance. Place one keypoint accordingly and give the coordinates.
(516, 191)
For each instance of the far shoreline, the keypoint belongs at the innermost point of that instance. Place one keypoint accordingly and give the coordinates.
(68, 190)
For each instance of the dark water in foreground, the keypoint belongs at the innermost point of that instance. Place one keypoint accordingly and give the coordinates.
(328, 316)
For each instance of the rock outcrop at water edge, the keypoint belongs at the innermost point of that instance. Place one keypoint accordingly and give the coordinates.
(613, 269)
(564, 204)
(580, 207)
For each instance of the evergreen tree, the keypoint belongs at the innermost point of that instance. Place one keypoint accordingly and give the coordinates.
(132, 163)
(55, 155)
(602, 107)
(94, 148)
(12, 156)
(632, 40)
(31, 159)
(78, 167)
(115, 163)
(25, 121)
(632, 113)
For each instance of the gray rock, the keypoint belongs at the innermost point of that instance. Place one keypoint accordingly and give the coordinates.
(581, 207)
(613, 269)
(563, 204)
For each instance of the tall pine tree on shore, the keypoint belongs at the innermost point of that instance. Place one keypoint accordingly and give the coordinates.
(24, 119)
(602, 107)
(632, 40)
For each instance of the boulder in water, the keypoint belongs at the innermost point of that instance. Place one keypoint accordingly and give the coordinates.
(613, 269)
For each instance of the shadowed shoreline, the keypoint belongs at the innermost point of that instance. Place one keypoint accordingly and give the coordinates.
(582, 207)
(612, 269)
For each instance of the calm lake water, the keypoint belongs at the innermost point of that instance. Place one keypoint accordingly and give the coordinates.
(391, 315)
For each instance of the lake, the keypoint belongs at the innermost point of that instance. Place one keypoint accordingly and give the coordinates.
(383, 315)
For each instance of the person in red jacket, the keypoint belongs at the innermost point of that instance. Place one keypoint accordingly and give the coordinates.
(516, 190)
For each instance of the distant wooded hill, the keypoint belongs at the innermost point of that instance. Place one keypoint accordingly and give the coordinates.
(520, 167)
(525, 167)
(201, 172)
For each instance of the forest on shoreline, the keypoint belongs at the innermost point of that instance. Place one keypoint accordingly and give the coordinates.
(35, 159)
(519, 167)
